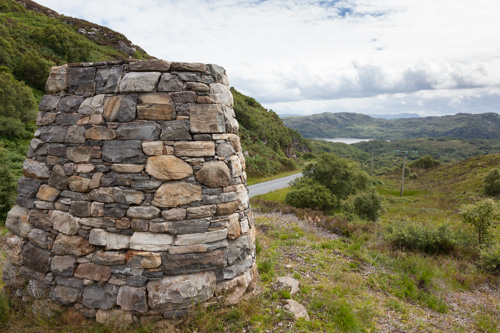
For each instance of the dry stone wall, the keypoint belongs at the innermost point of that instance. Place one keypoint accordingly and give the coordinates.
(133, 200)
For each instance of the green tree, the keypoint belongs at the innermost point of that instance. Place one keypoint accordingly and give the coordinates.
(481, 216)
(340, 175)
(33, 69)
(492, 182)
(425, 162)
(367, 205)
(307, 193)
(7, 185)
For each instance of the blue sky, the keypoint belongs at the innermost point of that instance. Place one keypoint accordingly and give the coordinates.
(307, 56)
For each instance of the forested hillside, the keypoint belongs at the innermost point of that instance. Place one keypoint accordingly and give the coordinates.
(353, 125)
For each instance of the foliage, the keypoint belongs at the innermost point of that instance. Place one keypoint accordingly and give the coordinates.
(367, 205)
(492, 182)
(421, 237)
(353, 125)
(307, 193)
(481, 216)
(8, 186)
(341, 176)
(17, 107)
(425, 162)
(490, 258)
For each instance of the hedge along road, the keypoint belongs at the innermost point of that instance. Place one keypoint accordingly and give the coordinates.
(271, 185)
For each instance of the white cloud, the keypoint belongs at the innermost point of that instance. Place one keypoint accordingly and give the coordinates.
(310, 55)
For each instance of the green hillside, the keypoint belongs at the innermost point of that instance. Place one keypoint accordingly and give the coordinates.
(353, 125)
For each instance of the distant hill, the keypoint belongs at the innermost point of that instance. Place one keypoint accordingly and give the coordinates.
(354, 125)
(395, 116)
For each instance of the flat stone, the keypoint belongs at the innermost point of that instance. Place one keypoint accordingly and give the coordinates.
(79, 184)
(34, 169)
(169, 82)
(219, 74)
(146, 185)
(225, 150)
(98, 237)
(180, 292)
(117, 241)
(136, 280)
(75, 134)
(47, 193)
(57, 80)
(147, 241)
(132, 299)
(298, 310)
(140, 130)
(174, 264)
(102, 194)
(127, 196)
(38, 220)
(92, 105)
(114, 318)
(176, 194)
(127, 168)
(28, 187)
(214, 174)
(36, 259)
(100, 133)
(197, 248)
(143, 212)
(183, 97)
(220, 94)
(227, 208)
(174, 214)
(123, 151)
(167, 167)
(65, 223)
(80, 154)
(58, 178)
(69, 282)
(61, 119)
(189, 76)
(120, 108)
(147, 260)
(45, 118)
(52, 133)
(17, 221)
(63, 265)
(64, 295)
(71, 245)
(239, 249)
(188, 67)
(84, 168)
(206, 118)
(93, 272)
(234, 228)
(149, 65)
(70, 103)
(80, 208)
(139, 82)
(233, 290)
(230, 272)
(81, 80)
(49, 103)
(98, 297)
(194, 149)
(109, 258)
(201, 211)
(188, 226)
(175, 130)
(115, 210)
(153, 148)
(155, 107)
(197, 86)
(107, 79)
(200, 238)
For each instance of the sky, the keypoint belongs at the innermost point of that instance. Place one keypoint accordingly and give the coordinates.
(430, 57)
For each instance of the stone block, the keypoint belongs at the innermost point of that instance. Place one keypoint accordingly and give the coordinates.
(100, 133)
(45, 118)
(120, 108)
(176, 194)
(93, 272)
(107, 79)
(70, 104)
(36, 259)
(147, 260)
(174, 264)
(194, 149)
(57, 80)
(71, 245)
(147, 241)
(80, 208)
(174, 214)
(92, 105)
(79, 184)
(127, 196)
(127, 168)
(206, 118)
(220, 94)
(114, 318)
(201, 211)
(143, 212)
(188, 226)
(102, 194)
(200, 238)
(17, 221)
(169, 82)
(132, 299)
(28, 187)
(140, 225)
(98, 237)
(124, 151)
(188, 67)
(168, 168)
(14, 248)
(140, 130)
(98, 297)
(81, 80)
(63, 265)
(34, 169)
(150, 65)
(227, 208)
(80, 154)
(64, 295)
(75, 134)
(139, 82)
(214, 174)
(155, 107)
(47, 193)
(109, 258)
(153, 148)
(175, 130)
(117, 241)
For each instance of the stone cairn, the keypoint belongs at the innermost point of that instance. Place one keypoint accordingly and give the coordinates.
(133, 200)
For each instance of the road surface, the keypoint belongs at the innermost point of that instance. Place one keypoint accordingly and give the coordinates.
(271, 185)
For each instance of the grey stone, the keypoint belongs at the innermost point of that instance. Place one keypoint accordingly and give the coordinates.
(230, 272)
(188, 226)
(183, 97)
(132, 299)
(180, 292)
(142, 212)
(115, 210)
(40, 238)
(174, 214)
(214, 174)
(70, 103)
(206, 118)
(14, 248)
(200, 238)
(153, 275)
(57, 80)
(140, 225)
(174, 264)
(93, 272)
(13, 277)
(136, 280)
(75, 134)
(146, 185)
(201, 211)
(49, 103)
(102, 194)
(56, 149)
(81, 80)
(120, 108)
(220, 94)
(67, 119)
(64, 295)
(169, 82)
(45, 118)
(225, 150)
(127, 196)
(28, 187)
(298, 310)
(197, 86)
(149, 65)
(124, 151)
(219, 74)
(202, 137)
(74, 195)
(175, 130)
(92, 105)
(38, 289)
(69, 282)
(39, 220)
(58, 178)
(98, 297)
(189, 76)
(34, 169)
(25, 202)
(238, 249)
(63, 266)
(71, 245)
(140, 130)
(109, 258)
(107, 79)
(124, 271)
(188, 67)
(117, 241)
(80, 208)
(221, 198)
(17, 221)
(36, 258)
(65, 223)
(139, 82)
(37, 148)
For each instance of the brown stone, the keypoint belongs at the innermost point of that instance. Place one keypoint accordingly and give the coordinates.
(79, 184)
(84, 168)
(214, 174)
(155, 107)
(153, 148)
(187, 67)
(168, 168)
(47, 193)
(114, 318)
(132, 299)
(234, 228)
(79, 154)
(58, 79)
(34, 169)
(109, 258)
(201, 211)
(206, 118)
(139, 259)
(227, 208)
(194, 148)
(176, 194)
(203, 100)
(93, 272)
(71, 245)
(150, 65)
(100, 133)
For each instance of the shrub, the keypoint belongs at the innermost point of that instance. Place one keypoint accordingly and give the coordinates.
(425, 162)
(306, 193)
(481, 215)
(413, 175)
(490, 259)
(492, 183)
(366, 205)
(423, 238)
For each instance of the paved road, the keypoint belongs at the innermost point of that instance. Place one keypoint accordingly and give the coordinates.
(271, 185)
